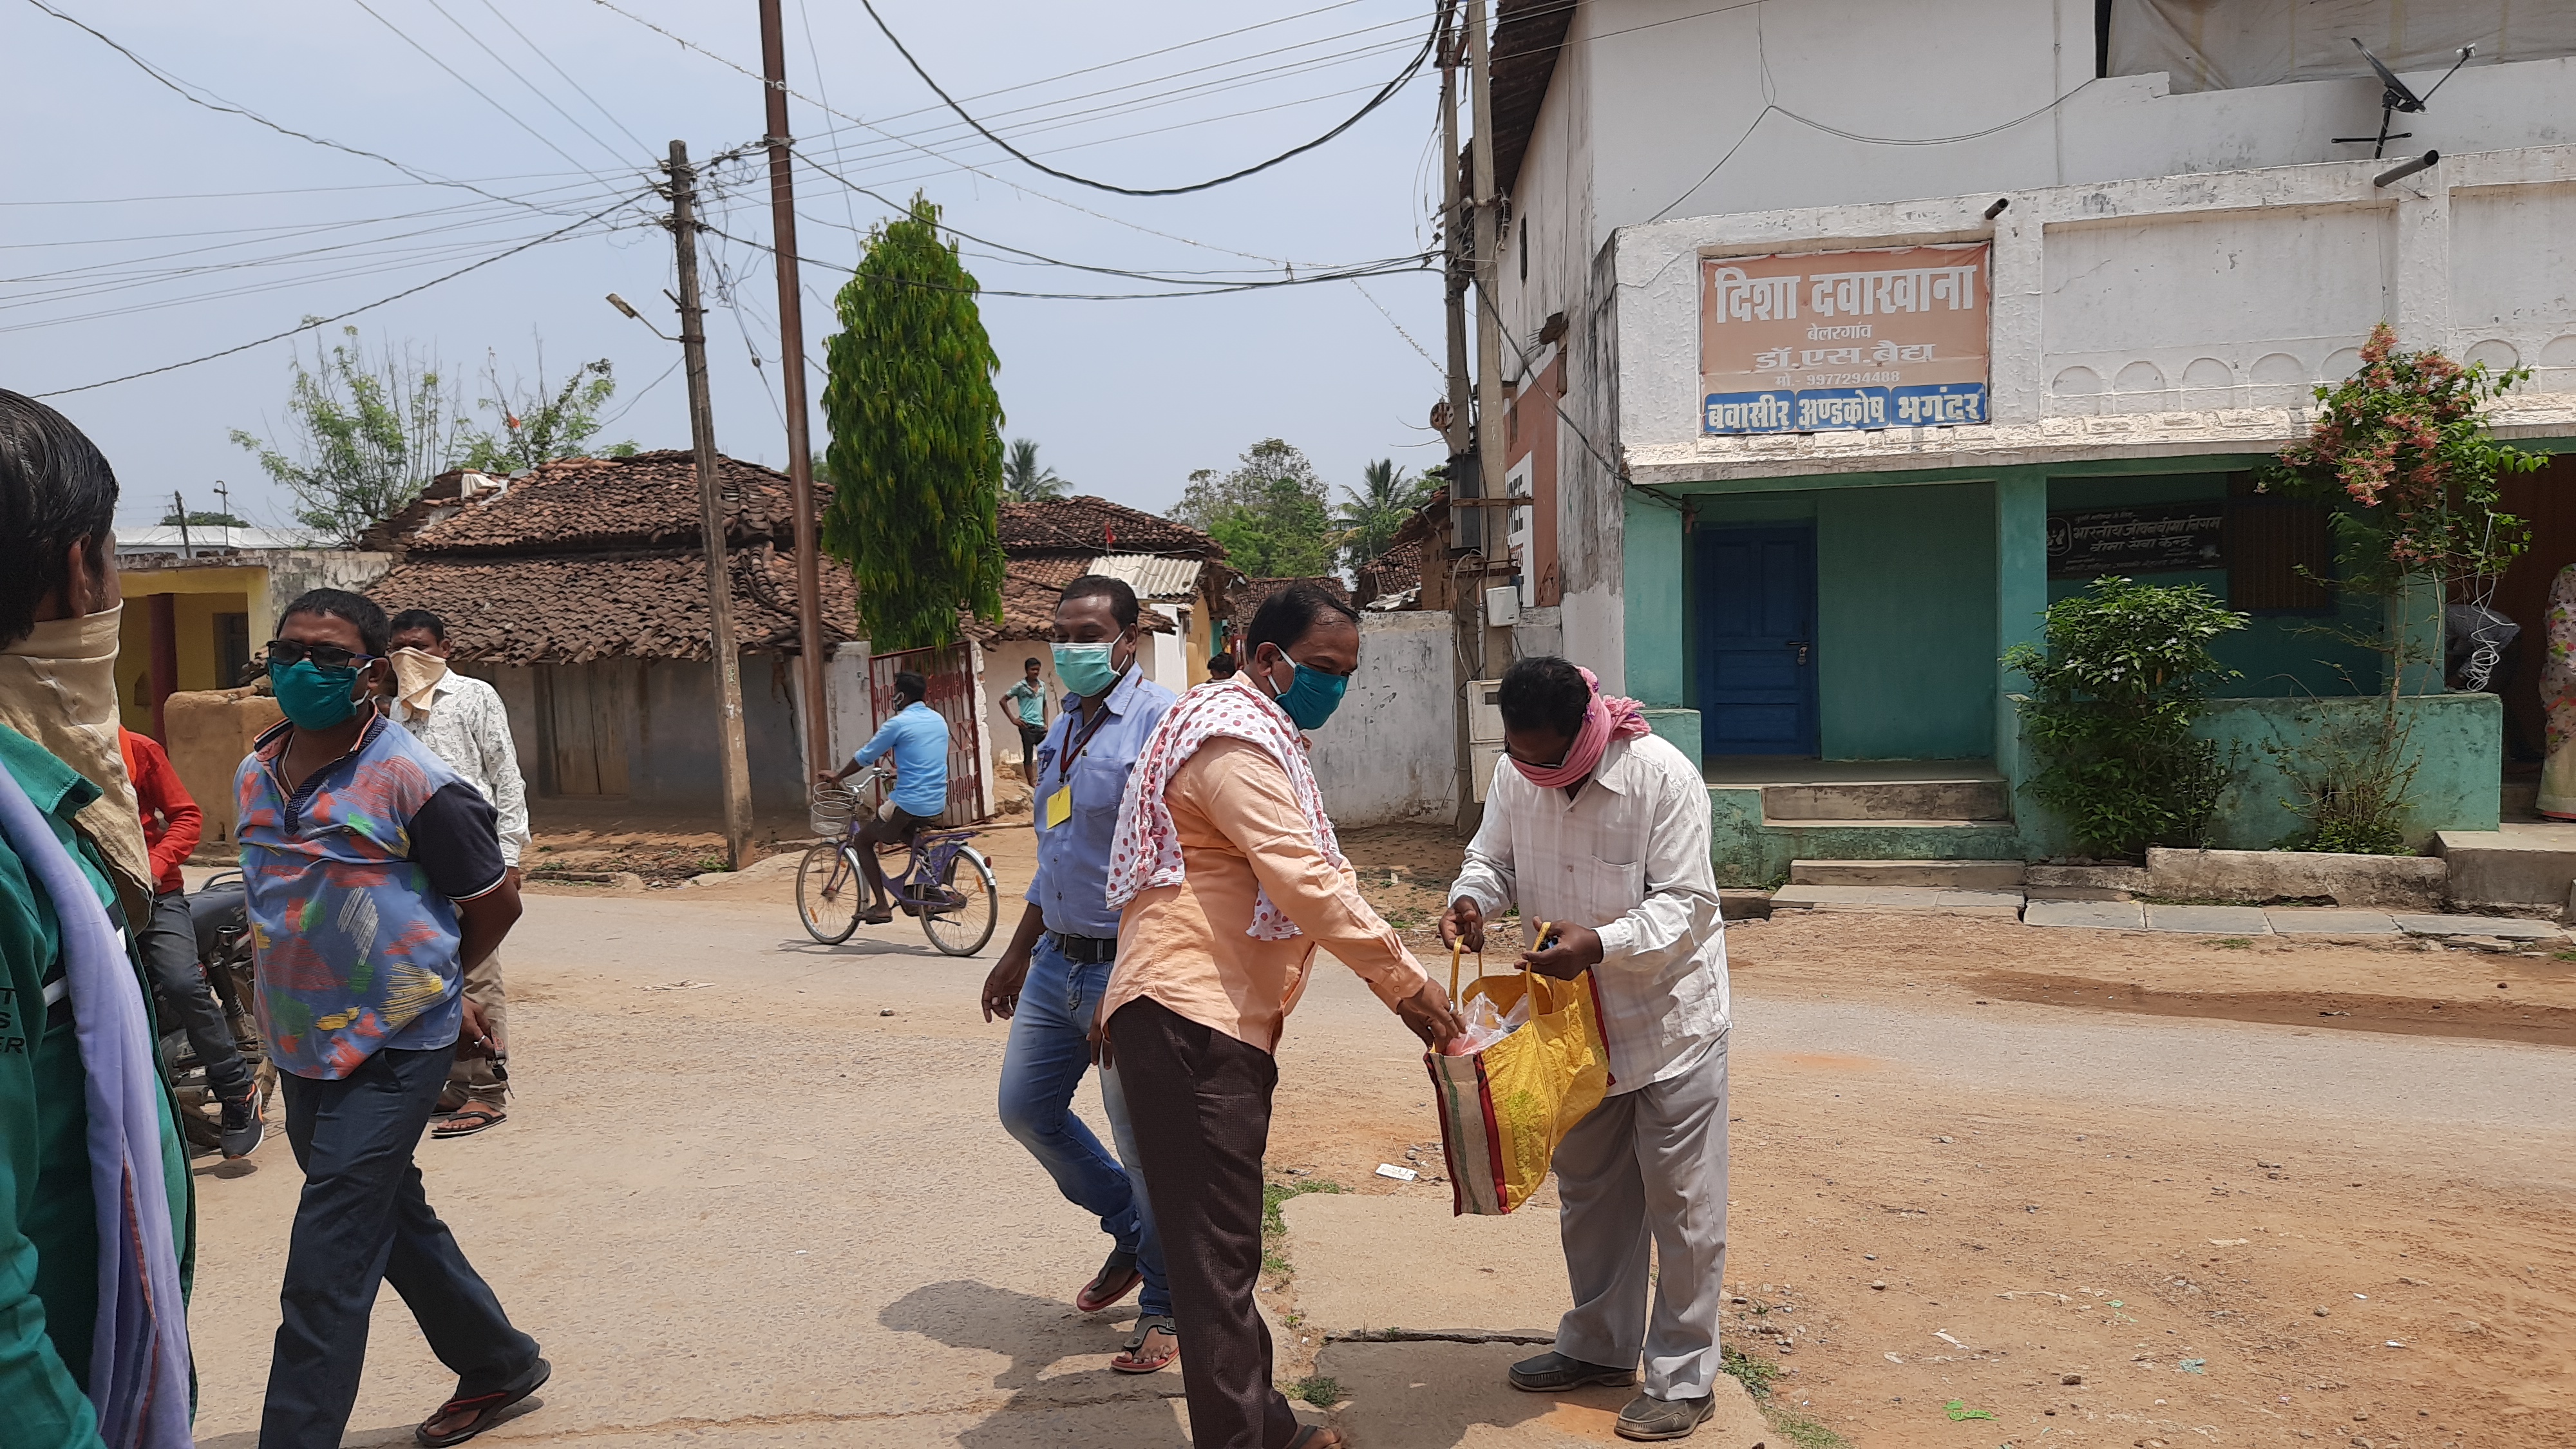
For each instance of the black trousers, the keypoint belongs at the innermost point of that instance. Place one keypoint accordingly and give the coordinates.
(1200, 1104)
(364, 1221)
(169, 942)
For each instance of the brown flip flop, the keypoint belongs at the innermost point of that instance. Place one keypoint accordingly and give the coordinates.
(484, 1407)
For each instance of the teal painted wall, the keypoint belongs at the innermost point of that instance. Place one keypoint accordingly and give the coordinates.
(2274, 655)
(1678, 728)
(2456, 742)
(1905, 629)
(1655, 604)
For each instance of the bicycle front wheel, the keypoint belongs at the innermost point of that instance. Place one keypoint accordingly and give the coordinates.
(963, 928)
(829, 893)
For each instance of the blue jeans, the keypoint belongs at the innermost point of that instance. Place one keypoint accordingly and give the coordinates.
(1050, 1049)
(363, 1221)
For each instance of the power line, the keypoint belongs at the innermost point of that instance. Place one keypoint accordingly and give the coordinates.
(188, 92)
(577, 86)
(1411, 69)
(278, 191)
(542, 138)
(550, 101)
(309, 323)
(1169, 279)
(1372, 269)
(1072, 119)
(1150, 100)
(687, 44)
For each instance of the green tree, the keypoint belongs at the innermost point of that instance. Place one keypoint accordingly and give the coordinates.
(203, 518)
(1023, 480)
(367, 434)
(1370, 517)
(1284, 534)
(916, 452)
(542, 424)
(1212, 495)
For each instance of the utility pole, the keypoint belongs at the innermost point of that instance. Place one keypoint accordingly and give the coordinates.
(1467, 523)
(1489, 324)
(711, 517)
(1453, 224)
(791, 343)
(180, 506)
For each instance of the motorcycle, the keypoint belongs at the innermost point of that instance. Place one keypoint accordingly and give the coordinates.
(221, 916)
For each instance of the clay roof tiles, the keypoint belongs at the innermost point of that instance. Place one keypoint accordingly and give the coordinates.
(575, 608)
(648, 500)
(1091, 526)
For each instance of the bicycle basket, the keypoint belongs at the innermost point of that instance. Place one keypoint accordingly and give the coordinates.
(830, 808)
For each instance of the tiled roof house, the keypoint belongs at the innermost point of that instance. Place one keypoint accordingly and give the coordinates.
(579, 590)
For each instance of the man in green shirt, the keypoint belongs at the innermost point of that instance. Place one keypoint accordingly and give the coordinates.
(1025, 703)
(81, 1096)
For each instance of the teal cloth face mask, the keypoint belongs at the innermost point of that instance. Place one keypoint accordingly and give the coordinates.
(314, 698)
(1313, 698)
(1085, 668)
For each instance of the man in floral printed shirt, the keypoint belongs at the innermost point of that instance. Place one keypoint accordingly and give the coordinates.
(374, 879)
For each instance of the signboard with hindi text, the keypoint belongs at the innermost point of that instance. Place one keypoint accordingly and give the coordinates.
(1836, 341)
(2153, 538)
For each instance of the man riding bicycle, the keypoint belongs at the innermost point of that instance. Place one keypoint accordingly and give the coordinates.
(917, 736)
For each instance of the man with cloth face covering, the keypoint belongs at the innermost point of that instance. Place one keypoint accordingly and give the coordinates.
(1595, 824)
(1051, 976)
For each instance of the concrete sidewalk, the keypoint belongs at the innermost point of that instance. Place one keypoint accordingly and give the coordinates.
(2132, 915)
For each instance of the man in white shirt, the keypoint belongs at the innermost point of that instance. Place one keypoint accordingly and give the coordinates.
(462, 721)
(1599, 828)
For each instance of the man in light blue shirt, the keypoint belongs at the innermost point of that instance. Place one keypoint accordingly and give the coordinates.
(917, 737)
(1050, 978)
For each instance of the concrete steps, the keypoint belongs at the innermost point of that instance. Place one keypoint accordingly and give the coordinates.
(2525, 865)
(1887, 802)
(1971, 875)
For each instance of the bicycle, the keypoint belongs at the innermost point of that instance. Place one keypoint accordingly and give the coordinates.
(946, 884)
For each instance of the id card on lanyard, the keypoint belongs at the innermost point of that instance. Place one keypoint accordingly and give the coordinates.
(1059, 806)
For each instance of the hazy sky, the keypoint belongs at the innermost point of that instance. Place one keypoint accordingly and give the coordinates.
(138, 229)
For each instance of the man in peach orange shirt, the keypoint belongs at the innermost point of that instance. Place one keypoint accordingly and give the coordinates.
(1229, 880)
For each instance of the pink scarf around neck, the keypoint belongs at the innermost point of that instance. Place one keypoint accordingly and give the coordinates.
(1609, 717)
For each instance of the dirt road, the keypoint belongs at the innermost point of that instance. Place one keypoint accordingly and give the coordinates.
(752, 1193)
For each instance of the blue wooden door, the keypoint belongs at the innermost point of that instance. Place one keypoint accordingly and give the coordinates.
(1757, 639)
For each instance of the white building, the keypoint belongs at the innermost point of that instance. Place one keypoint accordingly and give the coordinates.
(1805, 500)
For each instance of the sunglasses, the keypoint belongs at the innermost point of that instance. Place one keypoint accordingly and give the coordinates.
(326, 656)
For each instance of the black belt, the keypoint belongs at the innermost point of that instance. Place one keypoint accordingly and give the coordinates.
(1086, 950)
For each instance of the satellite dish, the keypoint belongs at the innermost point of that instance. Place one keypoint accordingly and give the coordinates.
(2396, 96)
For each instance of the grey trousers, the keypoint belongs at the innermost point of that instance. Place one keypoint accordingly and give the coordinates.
(1644, 1177)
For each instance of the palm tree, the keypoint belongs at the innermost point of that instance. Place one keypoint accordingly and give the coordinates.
(1023, 481)
(1370, 519)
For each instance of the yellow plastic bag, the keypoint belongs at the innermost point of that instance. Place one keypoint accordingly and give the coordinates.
(1504, 1109)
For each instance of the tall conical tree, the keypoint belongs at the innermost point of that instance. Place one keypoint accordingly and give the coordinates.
(916, 452)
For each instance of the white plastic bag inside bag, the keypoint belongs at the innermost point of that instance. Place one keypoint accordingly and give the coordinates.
(1486, 1026)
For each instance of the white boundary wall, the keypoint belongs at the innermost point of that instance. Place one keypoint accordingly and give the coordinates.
(1390, 753)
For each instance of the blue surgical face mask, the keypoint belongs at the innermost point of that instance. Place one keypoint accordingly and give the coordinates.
(1313, 697)
(1086, 668)
(312, 697)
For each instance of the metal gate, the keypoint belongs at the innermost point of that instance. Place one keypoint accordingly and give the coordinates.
(950, 669)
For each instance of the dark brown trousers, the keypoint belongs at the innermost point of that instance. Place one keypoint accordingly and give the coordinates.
(1200, 1103)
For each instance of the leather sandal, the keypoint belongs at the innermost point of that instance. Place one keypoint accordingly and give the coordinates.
(1116, 1279)
(1141, 1354)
